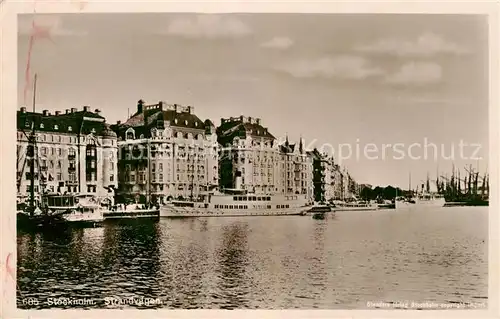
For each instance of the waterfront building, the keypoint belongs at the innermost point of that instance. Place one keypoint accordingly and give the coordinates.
(319, 164)
(250, 151)
(330, 180)
(75, 152)
(296, 169)
(166, 152)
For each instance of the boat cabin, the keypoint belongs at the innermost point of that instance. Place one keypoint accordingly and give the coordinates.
(60, 200)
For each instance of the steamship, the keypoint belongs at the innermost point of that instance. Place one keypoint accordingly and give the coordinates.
(238, 202)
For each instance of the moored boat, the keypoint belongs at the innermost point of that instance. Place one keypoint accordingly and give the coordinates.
(236, 202)
(354, 206)
(122, 211)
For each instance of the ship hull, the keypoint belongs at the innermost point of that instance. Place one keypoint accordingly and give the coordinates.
(131, 214)
(437, 202)
(183, 212)
(355, 208)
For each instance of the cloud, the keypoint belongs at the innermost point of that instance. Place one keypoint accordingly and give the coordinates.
(416, 73)
(52, 23)
(427, 44)
(342, 66)
(278, 43)
(208, 26)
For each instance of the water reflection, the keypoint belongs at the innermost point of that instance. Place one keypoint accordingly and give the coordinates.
(265, 262)
(232, 260)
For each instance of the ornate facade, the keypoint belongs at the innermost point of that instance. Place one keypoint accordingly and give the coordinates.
(166, 152)
(75, 152)
(250, 151)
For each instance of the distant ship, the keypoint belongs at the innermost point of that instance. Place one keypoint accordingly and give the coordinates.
(238, 202)
(421, 199)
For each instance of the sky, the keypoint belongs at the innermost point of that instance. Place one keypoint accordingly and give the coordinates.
(331, 79)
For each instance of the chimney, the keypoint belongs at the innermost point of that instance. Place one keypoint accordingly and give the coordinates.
(86, 108)
(140, 106)
(241, 118)
(257, 121)
(222, 121)
(23, 109)
(250, 120)
(45, 112)
(58, 113)
(118, 122)
(74, 109)
(189, 109)
(97, 111)
(160, 105)
(67, 111)
(175, 108)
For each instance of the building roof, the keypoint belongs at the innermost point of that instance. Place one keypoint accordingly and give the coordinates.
(154, 116)
(74, 122)
(241, 127)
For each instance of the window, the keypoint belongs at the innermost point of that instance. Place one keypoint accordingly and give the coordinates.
(59, 151)
(130, 134)
(43, 150)
(70, 128)
(160, 167)
(59, 176)
(161, 177)
(153, 167)
(92, 164)
(41, 126)
(56, 127)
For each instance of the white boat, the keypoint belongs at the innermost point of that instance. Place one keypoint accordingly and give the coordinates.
(354, 206)
(420, 201)
(236, 202)
(74, 209)
(121, 211)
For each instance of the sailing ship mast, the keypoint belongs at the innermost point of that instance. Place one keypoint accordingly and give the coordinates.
(32, 151)
(409, 185)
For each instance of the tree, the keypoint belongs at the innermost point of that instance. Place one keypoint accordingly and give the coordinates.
(366, 193)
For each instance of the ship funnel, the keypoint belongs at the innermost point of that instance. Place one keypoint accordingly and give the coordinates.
(238, 179)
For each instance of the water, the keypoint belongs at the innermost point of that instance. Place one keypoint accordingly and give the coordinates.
(433, 255)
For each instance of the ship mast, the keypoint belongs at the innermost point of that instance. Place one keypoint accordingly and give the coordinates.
(409, 184)
(32, 151)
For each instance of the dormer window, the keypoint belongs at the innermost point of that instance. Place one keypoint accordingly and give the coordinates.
(196, 124)
(41, 125)
(130, 134)
(142, 136)
(93, 130)
(70, 129)
(175, 121)
(179, 134)
(56, 127)
(185, 122)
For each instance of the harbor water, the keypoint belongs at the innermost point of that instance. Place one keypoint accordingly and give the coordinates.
(355, 260)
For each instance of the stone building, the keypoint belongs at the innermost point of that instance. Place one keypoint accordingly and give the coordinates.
(250, 151)
(75, 152)
(166, 152)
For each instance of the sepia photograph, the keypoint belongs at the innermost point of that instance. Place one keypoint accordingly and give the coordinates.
(246, 160)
